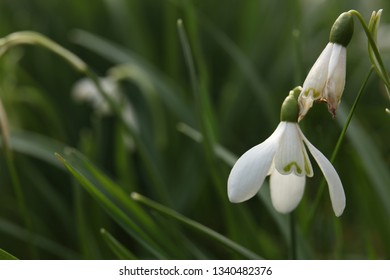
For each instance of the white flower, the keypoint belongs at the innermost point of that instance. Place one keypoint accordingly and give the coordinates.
(85, 91)
(326, 79)
(283, 156)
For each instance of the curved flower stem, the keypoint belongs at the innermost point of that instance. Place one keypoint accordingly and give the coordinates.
(379, 66)
(337, 148)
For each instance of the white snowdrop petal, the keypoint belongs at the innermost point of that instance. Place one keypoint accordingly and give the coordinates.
(336, 191)
(334, 58)
(289, 156)
(250, 170)
(286, 191)
(336, 75)
(316, 79)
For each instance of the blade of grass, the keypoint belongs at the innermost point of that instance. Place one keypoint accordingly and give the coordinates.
(195, 225)
(87, 241)
(39, 241)
(371, 158)
(114, 211)
(169, 92)
(6, 256)
(114, 197)
(117, 248)
(37, 146)
(206, 121)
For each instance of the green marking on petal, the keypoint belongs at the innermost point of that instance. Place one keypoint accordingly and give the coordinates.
(307, 166)
(288, 167)
(315, 93)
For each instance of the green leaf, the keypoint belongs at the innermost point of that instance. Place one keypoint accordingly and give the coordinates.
(169, 92)
(6, 256)
(118, 249)
(195, 225)
(113, 200)
(36, 145)
(371, 158)
(39, 241)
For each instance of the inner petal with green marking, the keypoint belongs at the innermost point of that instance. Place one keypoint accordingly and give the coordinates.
(288, 167)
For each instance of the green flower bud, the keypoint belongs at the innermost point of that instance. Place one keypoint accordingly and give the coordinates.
(342, 30)
(290, 107)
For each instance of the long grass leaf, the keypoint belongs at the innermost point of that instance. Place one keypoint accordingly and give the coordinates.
(6, 256)
(197, 226)
(117, 248)
(38, 240)
(113, 210)
(169, 92)
(36, 145)
(371, 158)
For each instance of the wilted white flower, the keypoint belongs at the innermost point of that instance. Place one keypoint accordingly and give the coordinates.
(326, 79)
(283, 156)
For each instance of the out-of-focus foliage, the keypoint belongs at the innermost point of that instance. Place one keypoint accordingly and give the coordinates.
(247, 56)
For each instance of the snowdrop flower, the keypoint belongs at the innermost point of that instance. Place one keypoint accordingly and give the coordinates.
(85, 91)
(283, 156)
(326, 79)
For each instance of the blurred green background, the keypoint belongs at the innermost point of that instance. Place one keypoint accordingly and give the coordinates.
(248, 55)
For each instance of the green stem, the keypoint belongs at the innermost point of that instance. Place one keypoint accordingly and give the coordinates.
(195, 225)
(4, 129)
(336, 149)
(382, 70)
(151, 166)
(20, 200)
(293, 239)
(203, 111)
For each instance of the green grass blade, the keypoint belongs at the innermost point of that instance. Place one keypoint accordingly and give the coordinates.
(6, 256)
(37, 146)
(371, 158)
(90, 183)
(169, 92)
(38, 240)
(117, 248)
(195, 225)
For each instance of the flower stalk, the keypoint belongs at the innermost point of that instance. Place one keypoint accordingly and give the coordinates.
(374, 54)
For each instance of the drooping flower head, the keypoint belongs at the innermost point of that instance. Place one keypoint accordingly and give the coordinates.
(85, 91)
(283, 156)
(326, 79)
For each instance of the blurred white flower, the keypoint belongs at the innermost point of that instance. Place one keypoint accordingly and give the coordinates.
(283, 156)
(85, 91)
(326, 80)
